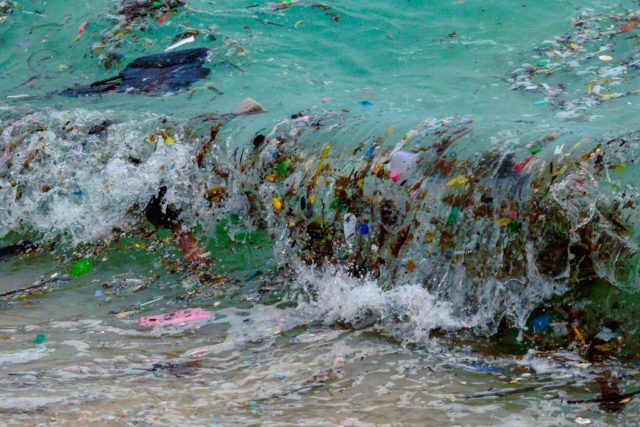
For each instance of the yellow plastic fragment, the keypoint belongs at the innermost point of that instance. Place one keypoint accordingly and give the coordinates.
(609, 95)
(460, 180)
(277, 204)
(323, 156)
(620, 168)
(503, 222)
(325, 152)
(168, 139)
(376, 168)
(578, 334)
(124, 314)
(606, 346)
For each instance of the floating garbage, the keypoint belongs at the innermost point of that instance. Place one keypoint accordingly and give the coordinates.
(153, 74)
(541, 323)
(177, 317)
(182, 42)
(133, 17)
(568, 57)
(80, 267)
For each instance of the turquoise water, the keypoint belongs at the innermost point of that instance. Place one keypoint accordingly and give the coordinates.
(314, 324)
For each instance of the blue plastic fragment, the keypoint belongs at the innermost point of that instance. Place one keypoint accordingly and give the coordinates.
(363, 229)
(369, 152)
(484, 368)
(541, 323)
(99, 293)
(365, 103)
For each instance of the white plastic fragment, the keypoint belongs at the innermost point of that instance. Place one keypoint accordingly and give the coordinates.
(248, 106)
(349, 226)
(182, 42)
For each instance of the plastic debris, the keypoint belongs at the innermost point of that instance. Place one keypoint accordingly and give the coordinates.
(153, 74)
(277, 204)
(630, 26)
(363, 229)
(182, 42)
(349, 226)
(39, 339)
(520, 166)
(567, 57)
(80, 267)
(184, 316)
(541, 323)
(459, 180)
(248, 106)
(402, 163)
(486, 368)
(83, 27)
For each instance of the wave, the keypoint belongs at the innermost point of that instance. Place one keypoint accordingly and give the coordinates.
(490, 233)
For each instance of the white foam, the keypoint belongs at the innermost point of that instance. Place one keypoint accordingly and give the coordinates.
(333, 296)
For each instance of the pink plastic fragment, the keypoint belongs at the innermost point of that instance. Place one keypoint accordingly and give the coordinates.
(183, 316)
(395, 176)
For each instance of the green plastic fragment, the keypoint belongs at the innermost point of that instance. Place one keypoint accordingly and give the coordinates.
(39, 339)
(163, 233)
(156, 4)
(80, 267)
(513, 226)
(535, 150)
(316, 220)
(453, 215)
(234, 218)
(281, 168)
(542, 63)
(540, 103)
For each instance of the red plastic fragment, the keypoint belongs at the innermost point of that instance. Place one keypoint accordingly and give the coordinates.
(83, 27)
(518, 168)
(630, 26)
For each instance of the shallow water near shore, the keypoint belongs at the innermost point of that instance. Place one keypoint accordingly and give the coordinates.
(264, 365)
(290, 342)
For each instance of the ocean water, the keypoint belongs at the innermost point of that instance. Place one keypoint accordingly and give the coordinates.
(432, 223)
